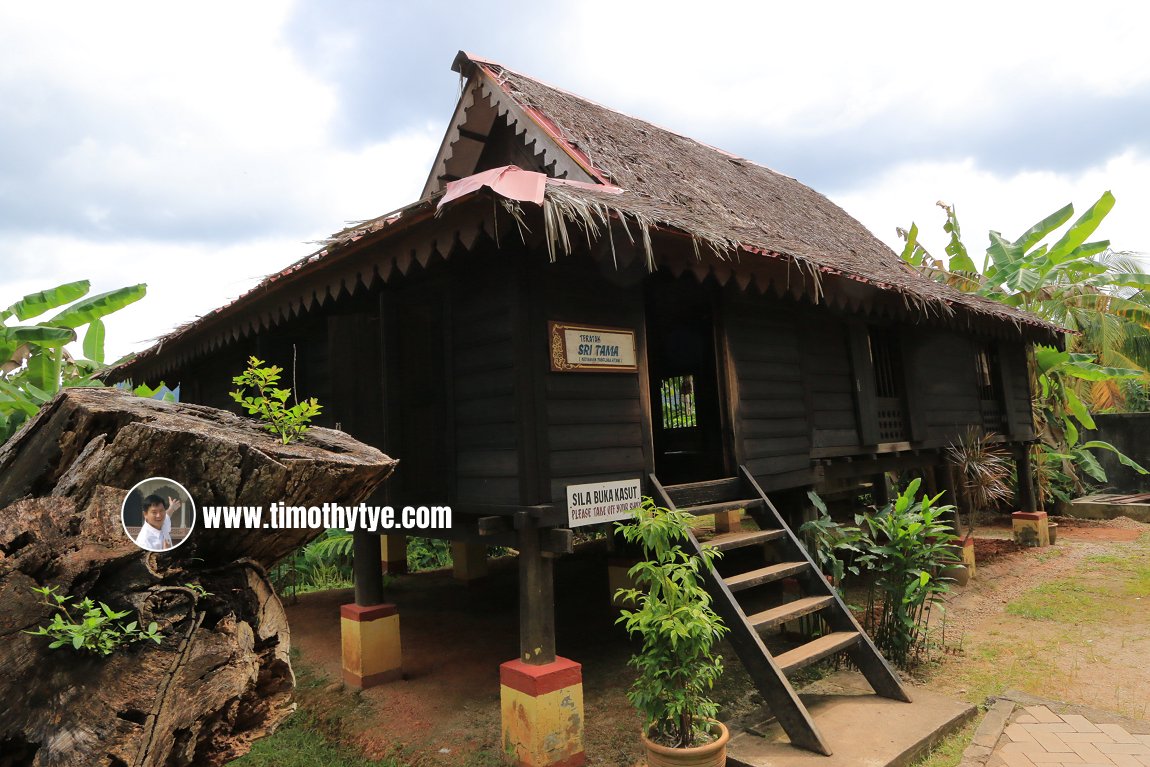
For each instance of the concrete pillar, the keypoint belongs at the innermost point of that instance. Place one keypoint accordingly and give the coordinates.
(618, 568)
(371, 647)
(1031, 528)
(729, 521)
(393, 554)
(469, 561)
(542, 709)
(369, 628)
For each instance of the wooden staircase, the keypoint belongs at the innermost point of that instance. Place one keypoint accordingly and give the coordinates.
(753, 566)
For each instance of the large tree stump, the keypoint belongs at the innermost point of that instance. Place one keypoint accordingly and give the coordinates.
(221, 677)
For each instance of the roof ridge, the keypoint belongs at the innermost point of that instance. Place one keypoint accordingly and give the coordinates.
(464, 57)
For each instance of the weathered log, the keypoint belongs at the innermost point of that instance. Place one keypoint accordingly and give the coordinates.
(221, 676)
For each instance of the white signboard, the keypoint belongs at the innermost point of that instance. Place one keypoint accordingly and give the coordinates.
(602, 502)
(583, 348)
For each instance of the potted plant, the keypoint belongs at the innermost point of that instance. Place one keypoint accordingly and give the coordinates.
(677, 666)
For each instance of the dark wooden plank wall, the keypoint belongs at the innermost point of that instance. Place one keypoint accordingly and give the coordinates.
(207, 381)
(356, 402)
(1016, 375)
(940, 367)
(597, 427)
(301, 348)
(484, 381)
(826, 363)
(772, 420)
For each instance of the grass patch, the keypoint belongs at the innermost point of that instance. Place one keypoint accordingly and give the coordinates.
(313, 735)
(1049, 553)
(300, 742)
(1070, 601)
(1105, 559)
(948, 751)
(1139, 583)
(990, 670)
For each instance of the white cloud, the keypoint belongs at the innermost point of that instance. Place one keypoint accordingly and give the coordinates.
(814, 68)
(1008, 204)
(191, 148)
(187, 279)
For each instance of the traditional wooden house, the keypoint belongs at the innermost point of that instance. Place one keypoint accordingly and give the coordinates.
(583, 306)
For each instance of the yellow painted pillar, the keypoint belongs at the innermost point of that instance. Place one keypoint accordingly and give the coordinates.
(542, 709)
(729, 521)
(393, 553)
(617, 578)
(371, 647)
(1031, 528)
(468, 561)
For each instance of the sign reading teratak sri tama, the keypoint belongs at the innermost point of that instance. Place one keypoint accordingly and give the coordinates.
(584, 348)
(602, 501)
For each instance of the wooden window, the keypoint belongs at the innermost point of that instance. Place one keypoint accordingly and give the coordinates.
(677, 394)
(988, 376)
(890, 406)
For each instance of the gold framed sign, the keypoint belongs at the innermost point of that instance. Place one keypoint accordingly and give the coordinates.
(591, 349)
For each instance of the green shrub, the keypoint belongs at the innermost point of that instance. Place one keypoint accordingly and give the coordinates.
(270, 401)
(677, 665)
(826, 540)
(96, 628)
(906, 545)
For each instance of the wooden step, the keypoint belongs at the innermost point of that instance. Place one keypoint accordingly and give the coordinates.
(719, 508)
(786, 612)
(711, 491)
(728, 541)
(764, 575)
(816, 650)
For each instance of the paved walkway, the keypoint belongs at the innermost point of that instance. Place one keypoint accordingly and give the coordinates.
(1032, 734)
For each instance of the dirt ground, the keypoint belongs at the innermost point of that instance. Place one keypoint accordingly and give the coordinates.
(446, 709)
(1069, 622)
(1085, 642)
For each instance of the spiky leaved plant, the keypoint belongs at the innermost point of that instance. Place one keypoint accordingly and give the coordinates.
(984, 470)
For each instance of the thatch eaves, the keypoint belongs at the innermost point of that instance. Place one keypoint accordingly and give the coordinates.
(624, 169)
(720, 198)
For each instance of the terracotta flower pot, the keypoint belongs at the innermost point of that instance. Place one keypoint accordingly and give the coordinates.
(1052, 530)
(713, 754)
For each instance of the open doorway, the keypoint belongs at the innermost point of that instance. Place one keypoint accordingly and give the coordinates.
(687, 420)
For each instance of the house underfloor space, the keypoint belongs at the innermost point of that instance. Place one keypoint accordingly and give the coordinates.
(446, 708)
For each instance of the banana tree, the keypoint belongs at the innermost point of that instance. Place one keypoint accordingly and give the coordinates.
(1079, 284)
(1061, 416)
(34, 363)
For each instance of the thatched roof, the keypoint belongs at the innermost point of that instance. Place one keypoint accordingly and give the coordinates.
(723, 199)
(629, 171)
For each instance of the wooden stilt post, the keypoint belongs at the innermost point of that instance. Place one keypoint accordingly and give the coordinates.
(946, 474)
(536, 598)
(880, 490)
(367, 568)
(540, 694)
(1026, 499)
(930, 480)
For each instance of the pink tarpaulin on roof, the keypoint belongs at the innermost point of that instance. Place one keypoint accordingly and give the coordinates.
(509, 181)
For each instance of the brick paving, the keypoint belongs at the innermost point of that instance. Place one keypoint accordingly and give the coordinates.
(1035, 736)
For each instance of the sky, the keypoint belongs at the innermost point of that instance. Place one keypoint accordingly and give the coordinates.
(198, 148)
